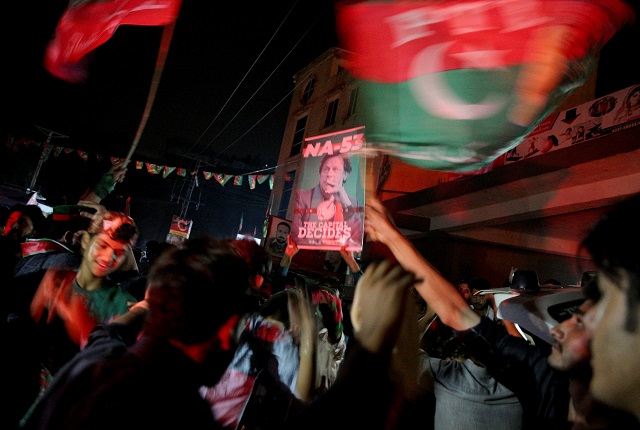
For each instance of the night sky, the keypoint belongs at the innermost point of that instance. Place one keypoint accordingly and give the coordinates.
(224, 95)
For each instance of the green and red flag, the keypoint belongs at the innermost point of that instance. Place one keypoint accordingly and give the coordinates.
(451, 85)
(87, 24)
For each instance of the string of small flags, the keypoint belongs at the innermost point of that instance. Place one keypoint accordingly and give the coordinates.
(156, 169)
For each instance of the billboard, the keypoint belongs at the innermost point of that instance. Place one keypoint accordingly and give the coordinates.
(329, 196)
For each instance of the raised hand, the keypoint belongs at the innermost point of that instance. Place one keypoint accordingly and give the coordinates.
(379, 304)
(292, 247)
(377, 223)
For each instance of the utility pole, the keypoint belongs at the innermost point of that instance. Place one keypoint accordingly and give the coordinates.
(45, 153)
(185, 203)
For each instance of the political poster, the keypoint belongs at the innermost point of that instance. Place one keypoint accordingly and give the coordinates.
(278, 231)
(578, 124)
(179, 230)
(329, 196)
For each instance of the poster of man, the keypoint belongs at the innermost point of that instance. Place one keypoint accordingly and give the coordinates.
(278, 234)
(329, 201)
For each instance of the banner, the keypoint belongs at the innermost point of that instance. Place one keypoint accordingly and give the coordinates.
(329, 203)
(580, 123)
(180, 227)
(278, 230)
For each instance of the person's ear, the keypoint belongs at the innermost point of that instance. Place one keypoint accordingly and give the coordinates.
(85, 241)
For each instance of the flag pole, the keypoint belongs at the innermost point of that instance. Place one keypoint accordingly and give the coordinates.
(167, 34)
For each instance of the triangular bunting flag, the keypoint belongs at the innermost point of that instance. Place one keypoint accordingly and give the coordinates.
(262, 178)
(222, 178)
(271, 182)
(167, 171)
(115, 160)
(252, 182)
(207, 175)
(139, 165)
(83, 154)
(237, 180)
(181, 172)
(152, 168)
(57, 150)
(68, 150)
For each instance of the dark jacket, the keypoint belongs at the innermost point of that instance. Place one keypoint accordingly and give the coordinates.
(524, 369)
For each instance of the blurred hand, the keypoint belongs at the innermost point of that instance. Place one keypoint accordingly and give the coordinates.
(379, 304)
(118, 171)
(347, 256)
(377, 222)
(100, 209)
(292, 247)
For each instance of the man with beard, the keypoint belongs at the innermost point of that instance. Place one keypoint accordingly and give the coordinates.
(553, 390)
(276, 245)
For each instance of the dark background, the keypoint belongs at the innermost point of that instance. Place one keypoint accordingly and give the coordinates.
(223, 99)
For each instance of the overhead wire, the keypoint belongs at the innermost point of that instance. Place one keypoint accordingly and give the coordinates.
(241, 81)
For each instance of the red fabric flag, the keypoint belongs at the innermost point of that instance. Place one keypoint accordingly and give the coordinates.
(237, 180)
(87, 24)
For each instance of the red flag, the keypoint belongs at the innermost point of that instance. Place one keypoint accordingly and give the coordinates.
(87, 24)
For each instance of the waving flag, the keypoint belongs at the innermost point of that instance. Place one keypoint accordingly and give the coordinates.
(451, 85)
(87, 24)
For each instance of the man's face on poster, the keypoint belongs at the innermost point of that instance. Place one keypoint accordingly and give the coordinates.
(282, 233)
(332, 175)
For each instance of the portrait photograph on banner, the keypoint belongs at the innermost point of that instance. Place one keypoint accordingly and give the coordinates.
(329, 197)
(278, 230)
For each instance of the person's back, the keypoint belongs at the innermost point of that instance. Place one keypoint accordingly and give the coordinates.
(466, 394)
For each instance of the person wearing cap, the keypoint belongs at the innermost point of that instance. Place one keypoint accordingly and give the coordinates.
(68, 303)
(552, 389)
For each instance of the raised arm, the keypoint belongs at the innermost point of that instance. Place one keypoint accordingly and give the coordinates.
(438, 292)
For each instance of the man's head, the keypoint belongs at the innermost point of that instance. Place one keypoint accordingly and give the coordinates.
(282, 232)
(480, 302)
(196, 295)
(465, 291)
(334, 170)
(24, 221)
(613, 246)
(107, 242)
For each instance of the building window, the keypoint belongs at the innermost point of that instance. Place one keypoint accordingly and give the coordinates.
(289, 180)
(308, 90)
(353, 101)
(332, 108)
(298, 136)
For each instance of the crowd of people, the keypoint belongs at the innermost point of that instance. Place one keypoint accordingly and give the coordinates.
(209, 334)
